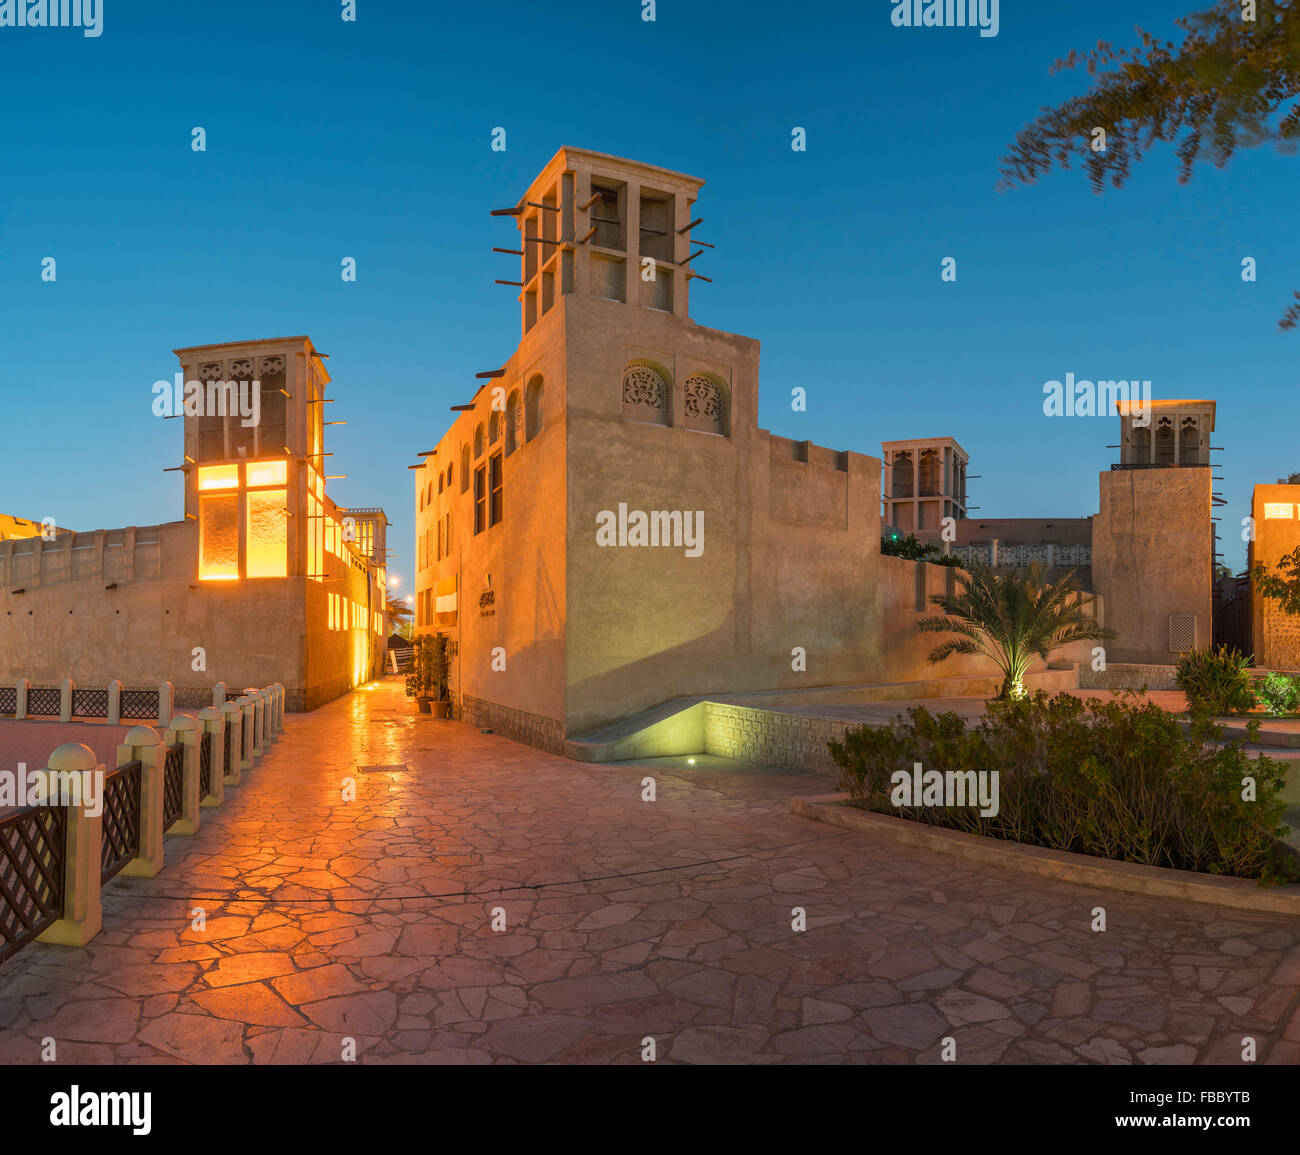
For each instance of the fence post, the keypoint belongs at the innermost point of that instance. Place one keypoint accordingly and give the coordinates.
(219, 694)
(185, 730)
(247, 755)
(234, 717)
(65, 700)
(83, 916)
(115, 702)
(255, 698)
(212, 723)
(993, 553)
(269, 732)
(143, 743)
(279, 706)
(166, 703)
(20, 707)
(1051, 555)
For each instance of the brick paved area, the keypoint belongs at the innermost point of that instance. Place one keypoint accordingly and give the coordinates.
(625, 919)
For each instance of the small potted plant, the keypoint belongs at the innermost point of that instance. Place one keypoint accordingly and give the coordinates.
(427, 680)
(419, 678)
(440, 661)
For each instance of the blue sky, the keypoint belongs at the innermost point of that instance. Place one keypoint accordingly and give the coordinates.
(371, 140)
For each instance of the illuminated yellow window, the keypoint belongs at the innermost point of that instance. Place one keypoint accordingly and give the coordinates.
(218, 477)
(219, 537)
(315, 540)
(268, 537)
(267, 473)
(1275, 510)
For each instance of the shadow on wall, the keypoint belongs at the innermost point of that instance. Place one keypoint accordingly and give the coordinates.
(709, 665)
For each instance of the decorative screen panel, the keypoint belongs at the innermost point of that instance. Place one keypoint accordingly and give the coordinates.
(1182, 633)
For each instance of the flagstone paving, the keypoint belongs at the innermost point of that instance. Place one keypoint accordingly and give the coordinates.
(625, 921)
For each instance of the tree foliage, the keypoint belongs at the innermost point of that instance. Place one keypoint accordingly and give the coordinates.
(1010, 618)
(1282, 585)
(1232, 83)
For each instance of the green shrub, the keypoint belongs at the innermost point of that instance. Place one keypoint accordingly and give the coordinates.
(1216, 682)
(907, 547)
(429, 663)
(1117, 778)
(1278, 693)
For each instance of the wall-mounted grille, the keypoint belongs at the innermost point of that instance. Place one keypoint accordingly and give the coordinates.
(1182, 633)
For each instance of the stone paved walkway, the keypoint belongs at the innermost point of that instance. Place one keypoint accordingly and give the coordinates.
(625, 920)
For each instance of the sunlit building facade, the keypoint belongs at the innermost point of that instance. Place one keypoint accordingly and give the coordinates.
(266, 579)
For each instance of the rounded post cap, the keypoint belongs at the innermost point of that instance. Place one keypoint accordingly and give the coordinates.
(183, 722)
(228, 708)
(73, 756)
(141, 736)
(209, 713)
(243, 701)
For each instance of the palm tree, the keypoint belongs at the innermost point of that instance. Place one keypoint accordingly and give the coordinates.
(1012, 618)
(398, 613)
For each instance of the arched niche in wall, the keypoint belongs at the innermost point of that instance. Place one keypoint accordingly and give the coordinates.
(514, 423)
(533, 399)
(705, 404)
(647, 393)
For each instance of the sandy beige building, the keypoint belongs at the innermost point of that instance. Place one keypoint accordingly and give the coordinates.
(1153, 537)
(265, 579)
(605, 527)
(1274, 634)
